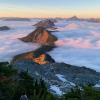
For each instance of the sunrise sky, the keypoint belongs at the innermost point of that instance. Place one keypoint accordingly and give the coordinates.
(50, 8)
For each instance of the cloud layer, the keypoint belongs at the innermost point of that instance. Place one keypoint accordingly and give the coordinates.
(78, 44)
(9, 43)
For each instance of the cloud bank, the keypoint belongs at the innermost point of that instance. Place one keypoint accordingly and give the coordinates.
(78, 44)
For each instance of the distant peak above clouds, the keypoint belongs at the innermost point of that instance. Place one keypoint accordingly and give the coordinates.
(73, 18)
(70, 26)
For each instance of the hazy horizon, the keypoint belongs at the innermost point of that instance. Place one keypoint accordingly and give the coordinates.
(52, 17)
(50, 8)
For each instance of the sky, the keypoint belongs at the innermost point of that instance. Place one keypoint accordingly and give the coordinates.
(50, 8)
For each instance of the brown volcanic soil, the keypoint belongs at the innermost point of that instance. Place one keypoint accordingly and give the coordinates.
(41, 36)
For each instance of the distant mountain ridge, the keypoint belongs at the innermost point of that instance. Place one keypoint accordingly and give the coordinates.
(16, 19)
(75, 18)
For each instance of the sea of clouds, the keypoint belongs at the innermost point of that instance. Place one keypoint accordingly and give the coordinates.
(78, 42)
(10, 45)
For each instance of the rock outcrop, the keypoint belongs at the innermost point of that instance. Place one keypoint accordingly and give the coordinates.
(41, 36)
(3, 28)
(75, 18)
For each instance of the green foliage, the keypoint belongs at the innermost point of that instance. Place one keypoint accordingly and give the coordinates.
(86, 93)
(91, 94)
(7, 70)
(74, 94)
(35, 90)
(6, 82)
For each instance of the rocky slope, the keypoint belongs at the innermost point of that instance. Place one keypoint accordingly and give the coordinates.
(41, 36)
(59, 77)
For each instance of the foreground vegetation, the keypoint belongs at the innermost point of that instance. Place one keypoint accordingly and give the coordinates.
(13, 84)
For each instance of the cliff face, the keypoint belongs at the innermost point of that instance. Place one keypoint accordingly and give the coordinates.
(41, 36)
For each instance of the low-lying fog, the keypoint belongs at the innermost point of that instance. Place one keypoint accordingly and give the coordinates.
(78, 42)
(10, 45)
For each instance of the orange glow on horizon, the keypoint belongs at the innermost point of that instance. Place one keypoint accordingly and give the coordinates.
(48, 14)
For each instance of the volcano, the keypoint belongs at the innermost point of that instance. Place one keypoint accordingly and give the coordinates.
(41, 36)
